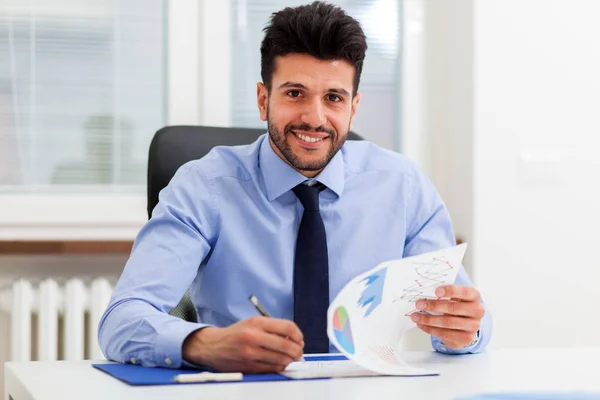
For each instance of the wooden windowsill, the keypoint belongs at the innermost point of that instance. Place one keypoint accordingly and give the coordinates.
(74, 246)
(65, 246)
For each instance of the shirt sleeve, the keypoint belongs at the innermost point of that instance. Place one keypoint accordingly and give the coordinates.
(166, 255)
(429, 228)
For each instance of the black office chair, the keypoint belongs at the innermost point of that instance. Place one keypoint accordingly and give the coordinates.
(172, 147)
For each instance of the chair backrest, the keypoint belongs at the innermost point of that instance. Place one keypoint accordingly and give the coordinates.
(173, 146)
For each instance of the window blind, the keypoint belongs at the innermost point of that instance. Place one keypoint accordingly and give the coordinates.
(81, 93)
(378, 117)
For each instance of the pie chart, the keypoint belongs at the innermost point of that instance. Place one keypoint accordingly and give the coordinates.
(342, 329)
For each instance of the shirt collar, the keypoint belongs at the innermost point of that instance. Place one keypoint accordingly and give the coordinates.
(280, 177)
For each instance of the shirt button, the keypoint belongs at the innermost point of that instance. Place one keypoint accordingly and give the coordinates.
(133, 360)
(168, 361)
(443, 348)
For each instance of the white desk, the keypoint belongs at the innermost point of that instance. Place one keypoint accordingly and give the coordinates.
(506, 370)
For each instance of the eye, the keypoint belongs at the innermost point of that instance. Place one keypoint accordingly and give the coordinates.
(294, 93)
(334, 98)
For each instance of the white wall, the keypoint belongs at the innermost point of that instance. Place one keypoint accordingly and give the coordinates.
(528, 118)
(449, 111)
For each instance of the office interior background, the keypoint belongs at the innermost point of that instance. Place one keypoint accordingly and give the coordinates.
(498, 101)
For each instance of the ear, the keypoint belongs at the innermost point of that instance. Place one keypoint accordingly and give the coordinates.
(262, 99)
(355, 101)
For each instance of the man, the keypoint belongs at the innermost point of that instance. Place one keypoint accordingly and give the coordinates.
(290, 218)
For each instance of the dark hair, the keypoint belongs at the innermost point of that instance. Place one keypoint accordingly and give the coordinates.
(321, 30)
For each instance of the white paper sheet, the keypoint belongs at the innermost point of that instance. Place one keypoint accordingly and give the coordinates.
(325, 369)
(370, 314)
(338, 369)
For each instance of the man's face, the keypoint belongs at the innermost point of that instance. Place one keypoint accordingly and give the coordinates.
(309, 110)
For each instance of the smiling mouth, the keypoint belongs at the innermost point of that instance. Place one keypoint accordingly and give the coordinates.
(307, 138)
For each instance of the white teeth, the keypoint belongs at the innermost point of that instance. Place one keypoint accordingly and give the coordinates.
(308, 138)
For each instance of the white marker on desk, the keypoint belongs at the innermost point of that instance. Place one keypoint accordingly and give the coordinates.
(209, 377)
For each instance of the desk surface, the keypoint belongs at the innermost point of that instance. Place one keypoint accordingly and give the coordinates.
(493, 371)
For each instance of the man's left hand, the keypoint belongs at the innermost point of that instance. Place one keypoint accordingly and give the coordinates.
(461, 317)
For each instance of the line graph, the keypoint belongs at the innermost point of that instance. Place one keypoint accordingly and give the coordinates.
(430, 273)
(385, 353)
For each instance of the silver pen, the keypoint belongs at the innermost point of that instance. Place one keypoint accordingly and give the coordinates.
(261, 310)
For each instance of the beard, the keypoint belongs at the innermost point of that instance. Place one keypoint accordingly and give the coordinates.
(280, 139)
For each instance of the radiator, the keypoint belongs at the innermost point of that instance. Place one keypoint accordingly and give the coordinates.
(50, 317)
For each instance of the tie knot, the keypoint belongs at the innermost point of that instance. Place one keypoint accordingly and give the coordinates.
(308, 196)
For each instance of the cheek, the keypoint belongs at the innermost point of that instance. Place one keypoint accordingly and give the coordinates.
(340, 121)
(282, 116)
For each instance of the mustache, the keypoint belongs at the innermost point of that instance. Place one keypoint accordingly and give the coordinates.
(308, 128)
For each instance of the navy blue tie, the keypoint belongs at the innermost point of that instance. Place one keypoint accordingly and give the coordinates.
(311, 272)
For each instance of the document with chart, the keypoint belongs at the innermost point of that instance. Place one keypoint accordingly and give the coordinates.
(367, 319)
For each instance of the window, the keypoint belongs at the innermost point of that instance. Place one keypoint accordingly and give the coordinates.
(81, 94)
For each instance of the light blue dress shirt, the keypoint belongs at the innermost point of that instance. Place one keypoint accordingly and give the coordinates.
(225, 227)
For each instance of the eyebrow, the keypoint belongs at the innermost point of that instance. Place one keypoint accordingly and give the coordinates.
(342, 92)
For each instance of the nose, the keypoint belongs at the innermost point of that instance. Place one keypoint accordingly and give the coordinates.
(314, 114)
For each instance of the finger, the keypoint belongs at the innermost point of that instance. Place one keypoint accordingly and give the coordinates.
(460, 308)
(259, 367)
(258, 338)
(451, 338)
(279, 344)
(254, 354)
(446, 322)
(248, 367)
(463, 293)
(281, 327)
(251, 367)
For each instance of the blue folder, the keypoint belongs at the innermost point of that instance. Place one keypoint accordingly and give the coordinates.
(137, 375)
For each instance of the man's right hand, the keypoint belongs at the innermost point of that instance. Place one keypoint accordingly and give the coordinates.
(254, 345)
